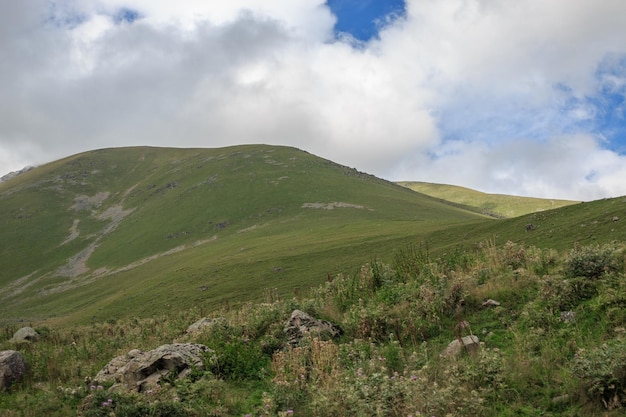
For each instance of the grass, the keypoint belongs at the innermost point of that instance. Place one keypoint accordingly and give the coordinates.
(497, 205)
(168, 221)
(396, 322)
(228, 233)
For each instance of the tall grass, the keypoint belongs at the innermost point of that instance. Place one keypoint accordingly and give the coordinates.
(548, 348)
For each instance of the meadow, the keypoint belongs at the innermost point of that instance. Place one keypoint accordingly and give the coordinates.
(555, 345)
(121, 249)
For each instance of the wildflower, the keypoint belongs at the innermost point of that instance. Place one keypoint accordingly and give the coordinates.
(413, 377)
(99, 387)
(289, 412)
(149, 391)
(105, 404)
(92, 387)
(176, 399)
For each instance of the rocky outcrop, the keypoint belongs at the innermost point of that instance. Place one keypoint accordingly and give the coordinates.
(138, 370)
(470, 344)
(12, 368)
(300, 324)
(25, 334)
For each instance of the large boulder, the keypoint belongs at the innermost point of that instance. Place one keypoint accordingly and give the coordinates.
(470, 344)
(25, 334)
(300, 324)
(138, 370)
(12, 368)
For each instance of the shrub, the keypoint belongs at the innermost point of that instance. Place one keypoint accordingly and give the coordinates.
(238, 360)
(592, 261)
(602, 372)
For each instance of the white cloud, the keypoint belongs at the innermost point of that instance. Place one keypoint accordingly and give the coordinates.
(493, 88)
(567, 167)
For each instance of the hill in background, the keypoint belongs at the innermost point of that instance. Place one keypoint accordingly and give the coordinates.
(497, 205)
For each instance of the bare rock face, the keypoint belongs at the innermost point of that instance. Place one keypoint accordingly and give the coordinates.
(138, 370)
(300, 324)
(471, 344)
(25, 334)
(12, 368)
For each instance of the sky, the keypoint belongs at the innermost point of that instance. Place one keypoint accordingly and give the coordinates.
(524, 97)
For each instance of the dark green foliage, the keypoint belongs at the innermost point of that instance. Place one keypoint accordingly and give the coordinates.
(101, 403)
(602, 371)
(592, 262)
(239, 360)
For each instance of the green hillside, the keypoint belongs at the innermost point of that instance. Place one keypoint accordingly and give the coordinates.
(122, 249)
(497, 205)
(131, 231)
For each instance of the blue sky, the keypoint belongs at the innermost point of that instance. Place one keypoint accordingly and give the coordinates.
(524, 97)
(363, 18)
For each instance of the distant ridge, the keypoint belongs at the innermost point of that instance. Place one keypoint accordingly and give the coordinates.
(497, 205)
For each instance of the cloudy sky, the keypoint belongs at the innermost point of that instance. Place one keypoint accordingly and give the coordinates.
(521, 97)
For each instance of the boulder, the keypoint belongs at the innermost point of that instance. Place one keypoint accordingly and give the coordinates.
(12, 368)
(471, 344)
(138, 370)
(300, 324)
(25, 334)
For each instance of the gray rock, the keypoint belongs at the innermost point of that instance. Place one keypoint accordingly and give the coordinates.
(137, 370)
(202, 324)
(25, 334)
(300, 324)
(470, 344)
(568, 316)
(491, 303)
(12, 368)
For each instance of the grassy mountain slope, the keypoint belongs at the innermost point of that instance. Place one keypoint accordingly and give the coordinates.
(498, 205)
(130, 231)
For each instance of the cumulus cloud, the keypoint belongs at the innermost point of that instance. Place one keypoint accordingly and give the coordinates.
(482, 93)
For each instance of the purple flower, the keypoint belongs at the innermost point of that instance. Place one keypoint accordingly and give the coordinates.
(289, 412)
(92, 387)
(105, 404)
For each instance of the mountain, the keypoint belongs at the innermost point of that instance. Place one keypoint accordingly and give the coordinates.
(497, 205)
(125, 231)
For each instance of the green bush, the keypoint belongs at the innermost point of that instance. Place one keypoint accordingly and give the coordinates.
(602, 372)
(592, 262)
(239, 360)
(101, 403)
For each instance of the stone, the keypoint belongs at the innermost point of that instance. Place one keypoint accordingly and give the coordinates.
(25, 334)
(12, 368)
(202, 324)
(491, 303)
(470, 344)
(300, 324)
(568, 316)
(138, 370)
